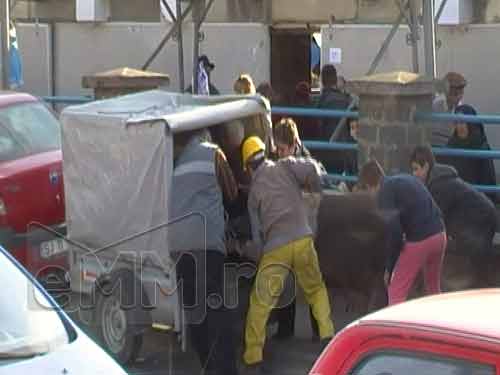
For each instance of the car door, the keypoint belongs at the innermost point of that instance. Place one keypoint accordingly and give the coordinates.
(397, 356)
(31, 186)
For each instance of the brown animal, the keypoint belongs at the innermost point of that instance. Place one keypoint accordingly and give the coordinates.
(350, 246)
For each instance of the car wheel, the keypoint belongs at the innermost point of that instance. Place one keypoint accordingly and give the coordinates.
(114, 330)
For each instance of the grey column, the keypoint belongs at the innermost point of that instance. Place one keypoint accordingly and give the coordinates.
(429, 38)
(387, 129)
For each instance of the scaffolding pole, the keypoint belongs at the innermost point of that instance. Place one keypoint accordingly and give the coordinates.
(180, 48)
(197, 6)
(440, 11)
(5, 20)
(200, 12)
(166, 38)
(429, 38)
(414, 25)
(385, 45)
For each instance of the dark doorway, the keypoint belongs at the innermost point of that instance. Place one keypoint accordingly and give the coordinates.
(290, 61)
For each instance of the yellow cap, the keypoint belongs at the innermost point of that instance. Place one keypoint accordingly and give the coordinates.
(251, 146)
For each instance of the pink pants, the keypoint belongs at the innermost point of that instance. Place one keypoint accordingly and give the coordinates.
(426, 255)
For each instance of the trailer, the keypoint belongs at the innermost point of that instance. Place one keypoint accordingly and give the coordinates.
(118, 158)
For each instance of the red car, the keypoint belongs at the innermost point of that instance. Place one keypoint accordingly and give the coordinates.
(31, 186)
(456, 333)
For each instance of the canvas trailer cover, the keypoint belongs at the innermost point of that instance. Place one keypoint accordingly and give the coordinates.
(117, 167)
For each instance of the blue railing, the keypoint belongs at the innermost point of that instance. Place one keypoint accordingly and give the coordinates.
(440, 151)
(339, 146)
(431, 117)
(67, 99)
(312, 112)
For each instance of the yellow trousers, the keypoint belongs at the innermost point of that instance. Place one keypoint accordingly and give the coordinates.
(299, 257)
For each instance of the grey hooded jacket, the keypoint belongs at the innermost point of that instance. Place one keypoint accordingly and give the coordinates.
(278, 212)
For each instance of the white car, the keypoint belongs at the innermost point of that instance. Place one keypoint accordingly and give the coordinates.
(36, 336)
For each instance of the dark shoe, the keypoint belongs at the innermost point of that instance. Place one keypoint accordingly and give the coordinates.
(283, 335)
(324, 342)
(256, 369)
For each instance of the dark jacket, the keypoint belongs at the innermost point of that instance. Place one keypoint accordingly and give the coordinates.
(473, 170)
(463, 207)
(331, 98)
(409, 210)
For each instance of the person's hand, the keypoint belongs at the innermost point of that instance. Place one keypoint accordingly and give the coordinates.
(387, 278)
(343, 187)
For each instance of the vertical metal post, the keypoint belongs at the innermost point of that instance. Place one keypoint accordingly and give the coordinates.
(429, 38)
(414, 33)
(5, 35)
(197, 10)
(180, 46)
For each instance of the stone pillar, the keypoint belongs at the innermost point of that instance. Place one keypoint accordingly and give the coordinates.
(387, 129)
(123, 81)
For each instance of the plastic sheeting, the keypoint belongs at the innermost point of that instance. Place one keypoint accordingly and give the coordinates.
(117, 164)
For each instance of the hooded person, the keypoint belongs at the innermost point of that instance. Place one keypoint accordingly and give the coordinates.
(453, 86)
(472, 136)
(206, 66)
(469, 216)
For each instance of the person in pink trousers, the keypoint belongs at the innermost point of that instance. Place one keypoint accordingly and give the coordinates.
(417, 238)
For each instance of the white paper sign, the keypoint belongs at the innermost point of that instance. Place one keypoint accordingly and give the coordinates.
(335, 56)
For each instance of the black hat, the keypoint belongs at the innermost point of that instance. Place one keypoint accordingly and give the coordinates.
(206, 62)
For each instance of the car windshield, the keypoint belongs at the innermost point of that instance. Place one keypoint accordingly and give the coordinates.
(29, 324)
(27, 129)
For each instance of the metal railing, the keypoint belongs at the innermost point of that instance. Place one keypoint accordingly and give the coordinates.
(430, 117)
(67, 99)
(340, 146)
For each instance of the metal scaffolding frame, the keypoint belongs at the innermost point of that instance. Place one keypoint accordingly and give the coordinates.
(199, 10)
(409, 13)
(408, 9)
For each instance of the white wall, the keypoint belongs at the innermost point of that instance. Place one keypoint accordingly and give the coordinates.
(473, 51)
(83, 49)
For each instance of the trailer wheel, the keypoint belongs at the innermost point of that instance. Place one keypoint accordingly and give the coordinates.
(114, 328)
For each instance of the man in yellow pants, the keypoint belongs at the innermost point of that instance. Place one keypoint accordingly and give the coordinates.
(281, 230)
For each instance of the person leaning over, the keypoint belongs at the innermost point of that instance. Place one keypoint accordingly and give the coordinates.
(281, 229)
(202, 181)
(416, 238)
(470, 217)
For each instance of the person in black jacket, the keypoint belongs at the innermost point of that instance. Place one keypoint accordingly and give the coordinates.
(469, 216)
(472, 136)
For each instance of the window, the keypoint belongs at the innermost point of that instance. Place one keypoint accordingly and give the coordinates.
(414, 363)
(27, 129)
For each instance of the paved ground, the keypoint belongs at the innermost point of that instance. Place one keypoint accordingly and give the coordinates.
(162, 355)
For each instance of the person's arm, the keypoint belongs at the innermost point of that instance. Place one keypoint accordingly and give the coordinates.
(225, 177)
(253, 249)
(391, 214)
(307, 172)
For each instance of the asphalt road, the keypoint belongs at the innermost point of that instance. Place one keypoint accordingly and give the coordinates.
(161, 353)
